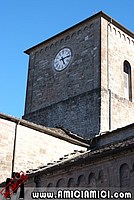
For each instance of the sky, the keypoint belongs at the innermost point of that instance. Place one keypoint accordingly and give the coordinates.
(25, 23)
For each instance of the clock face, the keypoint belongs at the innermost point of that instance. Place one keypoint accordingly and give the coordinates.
(62, 59)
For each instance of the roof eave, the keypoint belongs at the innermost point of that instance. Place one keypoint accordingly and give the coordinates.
(99, 14)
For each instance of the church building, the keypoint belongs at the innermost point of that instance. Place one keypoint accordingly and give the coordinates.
(82, 79)
(79, 110)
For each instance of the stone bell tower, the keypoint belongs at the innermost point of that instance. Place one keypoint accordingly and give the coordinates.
(82, 78)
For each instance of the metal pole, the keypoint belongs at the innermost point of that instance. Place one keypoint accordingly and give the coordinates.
(14, 147)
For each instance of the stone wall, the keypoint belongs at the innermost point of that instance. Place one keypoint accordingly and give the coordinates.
(91, 90)
(117, 46)
(33, 148)
(115, 169)
(70, 97)
(79, 114)
(7, 130)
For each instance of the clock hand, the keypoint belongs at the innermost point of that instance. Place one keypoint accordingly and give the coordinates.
(62, 60)
(66, 56)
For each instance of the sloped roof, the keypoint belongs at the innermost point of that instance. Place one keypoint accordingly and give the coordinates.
(102, 145)
(82, 156)
(60, 133)
(78, 157)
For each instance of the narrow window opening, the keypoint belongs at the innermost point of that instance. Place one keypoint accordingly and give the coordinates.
(127, 81)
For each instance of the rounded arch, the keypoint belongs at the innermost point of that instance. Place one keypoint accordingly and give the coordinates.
(128, 39)
(62, 40)
(81, 181)
(127, 66)
(51, 46)
(127, 80)
(92, 180)
(109, 27)
(114, 29)
(60, 183)
(67, 37)
(79, 32)
(119, 33)
(86, 28)
(91, 25)
(124, 37)
(73, 35)
(47, 48)
(50, 185)
(124, 175)
(71, 182)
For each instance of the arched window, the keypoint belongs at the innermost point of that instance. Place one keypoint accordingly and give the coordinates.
(81, 181)
(60, 183)
(124, 175)
(71, 183)
(127, 81)
(92, 180)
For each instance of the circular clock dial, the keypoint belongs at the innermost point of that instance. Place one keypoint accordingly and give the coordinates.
(62, 59)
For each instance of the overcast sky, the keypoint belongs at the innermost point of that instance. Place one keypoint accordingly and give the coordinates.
(25, 23)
